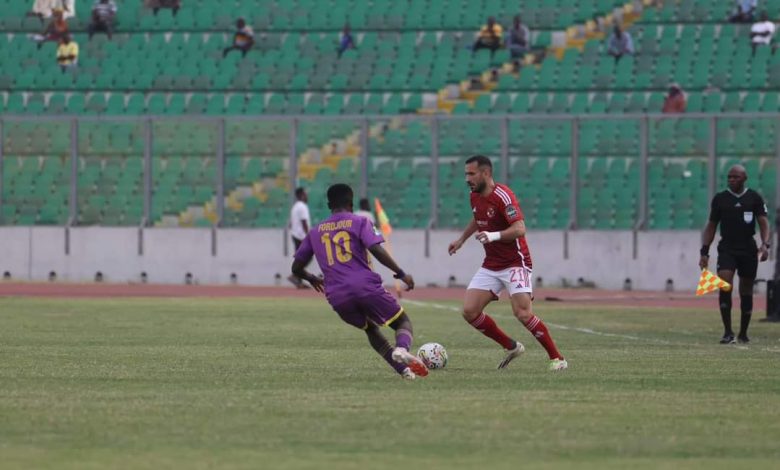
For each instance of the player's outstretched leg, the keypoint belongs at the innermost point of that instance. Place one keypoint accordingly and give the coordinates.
(473, 306)
(403, 342)
(521, 307)
(383, 347)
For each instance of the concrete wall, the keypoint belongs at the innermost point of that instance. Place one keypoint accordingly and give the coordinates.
(256, 256)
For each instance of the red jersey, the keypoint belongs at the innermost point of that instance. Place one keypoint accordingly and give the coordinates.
(495, 213)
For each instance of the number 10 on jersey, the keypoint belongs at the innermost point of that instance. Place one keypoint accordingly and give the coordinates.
(340, 244)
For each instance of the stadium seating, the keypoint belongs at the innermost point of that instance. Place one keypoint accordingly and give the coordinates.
(148, 68)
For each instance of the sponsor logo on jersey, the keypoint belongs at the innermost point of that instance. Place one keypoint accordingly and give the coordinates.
(511, 211)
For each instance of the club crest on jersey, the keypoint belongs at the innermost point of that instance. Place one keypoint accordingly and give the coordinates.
(511, 212)
(491, 212)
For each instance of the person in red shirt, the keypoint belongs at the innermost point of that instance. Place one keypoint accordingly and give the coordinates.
(675, 100)
(500, 226)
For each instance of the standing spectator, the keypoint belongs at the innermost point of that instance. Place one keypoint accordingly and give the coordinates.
(365, 211)
(55, 30)
(761, 33)
(155, 5)
(243, 39)
(346, 41)
(299, 227)
(737, 209)
(518, 38)
(489, 36)
(620, 43)
(744, 12)
(675, 100)
(103, 16)
(67, 53)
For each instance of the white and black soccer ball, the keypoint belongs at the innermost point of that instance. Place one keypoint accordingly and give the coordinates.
(433, 355)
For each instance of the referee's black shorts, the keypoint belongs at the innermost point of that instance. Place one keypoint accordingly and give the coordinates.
(744, 261)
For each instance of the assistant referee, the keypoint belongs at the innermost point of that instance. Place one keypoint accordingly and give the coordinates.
(736, 210)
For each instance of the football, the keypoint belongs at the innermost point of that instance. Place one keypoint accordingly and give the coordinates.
(433, 355)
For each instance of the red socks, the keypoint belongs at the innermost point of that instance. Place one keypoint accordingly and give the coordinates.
(537, 328)
(485, 325)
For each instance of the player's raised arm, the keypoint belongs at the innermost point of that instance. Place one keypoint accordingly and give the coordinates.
(384, 257)
(513, 232)
(470, 229)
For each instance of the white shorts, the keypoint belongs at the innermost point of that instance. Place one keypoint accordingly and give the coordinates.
(514, 280)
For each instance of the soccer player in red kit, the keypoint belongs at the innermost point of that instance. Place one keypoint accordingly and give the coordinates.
(499, 226)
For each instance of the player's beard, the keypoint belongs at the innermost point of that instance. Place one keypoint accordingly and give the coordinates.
(479, 187)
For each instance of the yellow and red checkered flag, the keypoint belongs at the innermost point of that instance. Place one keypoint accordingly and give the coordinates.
(709, 282)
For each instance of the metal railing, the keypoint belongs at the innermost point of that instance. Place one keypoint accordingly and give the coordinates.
(504, 132)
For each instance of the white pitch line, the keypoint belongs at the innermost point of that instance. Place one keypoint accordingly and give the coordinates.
(588, 331)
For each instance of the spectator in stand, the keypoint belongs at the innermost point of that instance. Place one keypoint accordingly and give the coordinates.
(67, 53)
(489, 36)
(761, 33)
(675, 100)
(620, 44)
(155, 5)
(55, 30)
(744, 11)
(518, 38)
(45, 8)
(103, 17)
(346, 41)
(243, 39)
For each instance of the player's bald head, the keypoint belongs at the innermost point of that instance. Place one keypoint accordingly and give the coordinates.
(738, 169)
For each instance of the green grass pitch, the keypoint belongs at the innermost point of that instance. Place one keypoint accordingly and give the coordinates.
(283, 384)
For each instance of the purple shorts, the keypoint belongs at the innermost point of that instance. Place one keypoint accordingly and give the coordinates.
(380, 309)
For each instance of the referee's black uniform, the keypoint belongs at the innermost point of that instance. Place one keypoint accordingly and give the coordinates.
(737, 250)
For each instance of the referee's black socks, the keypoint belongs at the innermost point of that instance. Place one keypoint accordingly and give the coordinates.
(725, 311)
(746, 305)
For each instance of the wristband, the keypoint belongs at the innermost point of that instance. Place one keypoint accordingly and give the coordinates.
(400, 274)
(493, 236)
(705, 251)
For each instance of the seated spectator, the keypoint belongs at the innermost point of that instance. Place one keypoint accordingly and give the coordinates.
(346, 41)
(744, 11)
(674, 102)
(243, 39)
(518, 38)
(620, 43)
(56, 29)
(67, 53)
(761, 33)
(489, 37)
(155, 5)
(103, 16)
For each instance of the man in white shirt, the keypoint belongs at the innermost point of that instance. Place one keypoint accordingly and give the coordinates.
(365, 211)
(299, 226)
(761, 33)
